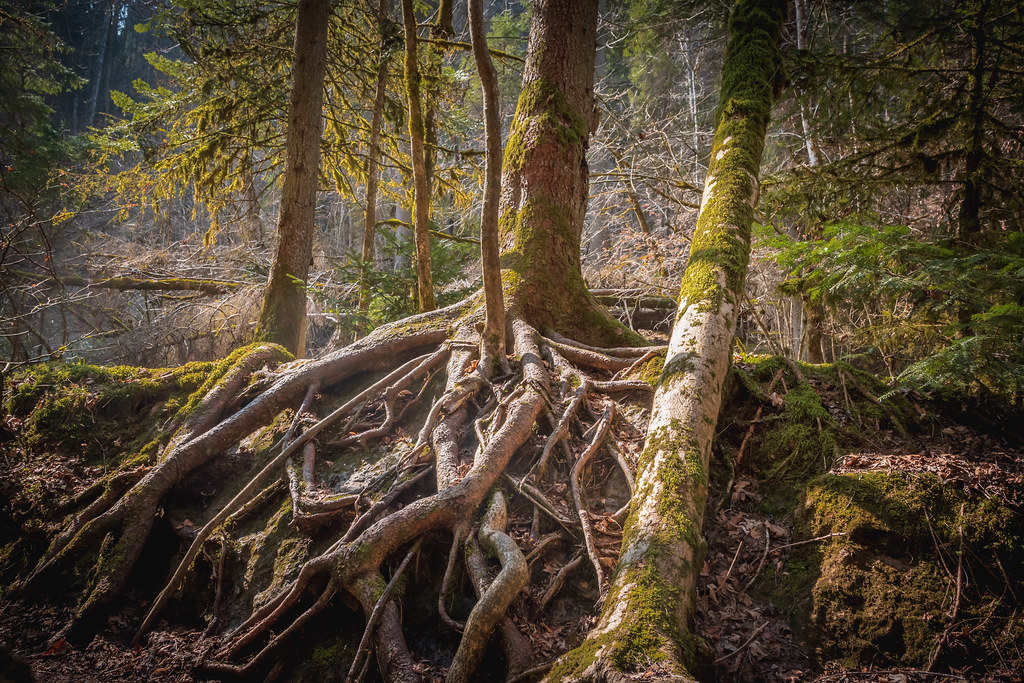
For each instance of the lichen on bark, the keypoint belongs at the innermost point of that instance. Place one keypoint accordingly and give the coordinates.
(661, 543)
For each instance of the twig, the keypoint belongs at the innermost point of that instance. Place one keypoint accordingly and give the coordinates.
(639, 361)
(553, 537)
(744, 646)
(218, 594)
(767, 544)
(574, 486)
(558, 580)
(523, 675)
(955, 610)
(808, 540)
(559, 432)
(728, 573)
(757, 416)
(446, 583)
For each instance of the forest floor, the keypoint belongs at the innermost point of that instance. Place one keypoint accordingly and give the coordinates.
(764, 526)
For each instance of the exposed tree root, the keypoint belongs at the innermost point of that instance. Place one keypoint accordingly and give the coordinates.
(467, 438)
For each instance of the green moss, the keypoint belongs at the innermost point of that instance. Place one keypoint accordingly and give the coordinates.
(97, 413)
(330, 660)
(275, 555)
(649, 372)
(648, 635)
(544, 110)
(683, 363)
(684, 481)
(215, 374)
(880, 592)
(720, 248)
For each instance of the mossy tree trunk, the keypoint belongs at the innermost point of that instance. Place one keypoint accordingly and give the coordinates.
(649, 608)
(421, 189)
(545, 176)
(283, 314)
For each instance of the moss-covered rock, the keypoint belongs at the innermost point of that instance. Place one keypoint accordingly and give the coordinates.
(885, 590)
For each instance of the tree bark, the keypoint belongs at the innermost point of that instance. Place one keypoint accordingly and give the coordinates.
(545, 177)
(283, 315)
(421, 191)
(808, 342)
(441, 32)
(969, 213)
(493, 347)
(650, 605)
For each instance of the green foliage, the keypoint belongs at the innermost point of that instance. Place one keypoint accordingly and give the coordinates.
(30, 145)
(393, 290)
(927, 284)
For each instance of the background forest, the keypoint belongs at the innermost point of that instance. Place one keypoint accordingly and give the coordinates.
(143, 146)
(862, 485)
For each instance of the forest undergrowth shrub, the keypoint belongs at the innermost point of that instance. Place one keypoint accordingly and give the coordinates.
(947, 316)
(393, 287)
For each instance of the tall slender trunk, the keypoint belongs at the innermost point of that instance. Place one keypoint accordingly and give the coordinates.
(969, 214)
(373, 162)
(283, 315)
(421, 191)
(808, 316)
(442, 29)
(492, 357)
(649, 608)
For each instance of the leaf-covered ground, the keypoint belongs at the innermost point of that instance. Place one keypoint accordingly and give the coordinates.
(828, 506)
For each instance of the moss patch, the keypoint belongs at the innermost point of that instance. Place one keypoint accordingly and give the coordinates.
(883, 592)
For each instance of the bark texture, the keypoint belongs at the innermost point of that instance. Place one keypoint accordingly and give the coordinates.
(493, 351)
(645, 622)
(283, 315)
(545, 175)
(421, 187)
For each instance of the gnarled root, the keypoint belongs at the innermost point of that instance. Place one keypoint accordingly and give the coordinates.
(494, 599)
(121, 530)
(478, 432)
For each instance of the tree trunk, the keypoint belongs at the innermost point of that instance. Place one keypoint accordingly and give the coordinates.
(283, 315)
(809, 343)
(373, 162)
(421, 192)
(441, 30)
(969, 213)
(650, 605)
(545, 177)
(96, 74)
(493, 351)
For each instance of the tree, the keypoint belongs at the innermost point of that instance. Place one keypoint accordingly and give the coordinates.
(373, 157)
(492, 352)
(541, 219)
(421, 186)
(650, 604)
(283, 313)
(916, 214)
